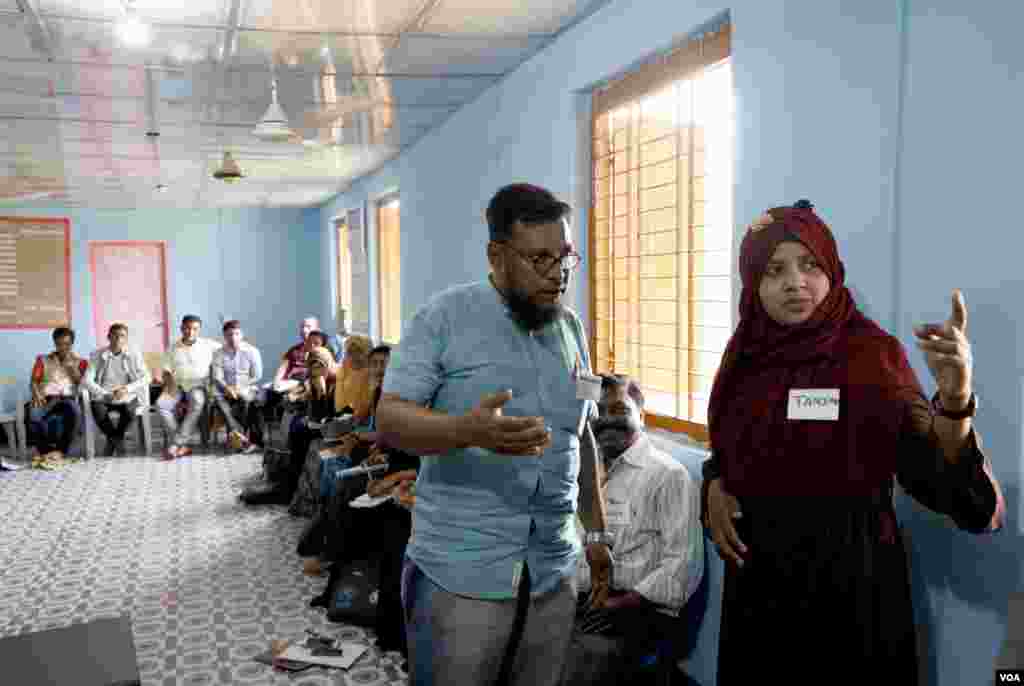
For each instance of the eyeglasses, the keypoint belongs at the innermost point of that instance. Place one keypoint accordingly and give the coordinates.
(542, 264)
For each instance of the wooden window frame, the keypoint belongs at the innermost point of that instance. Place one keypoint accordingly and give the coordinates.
(680, 65)
(379, 204)
(344, 294)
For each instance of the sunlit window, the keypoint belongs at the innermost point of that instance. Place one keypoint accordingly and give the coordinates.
(389, 271)
(662, 241)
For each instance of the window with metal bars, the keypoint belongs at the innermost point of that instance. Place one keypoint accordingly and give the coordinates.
(389, 269)
(661, 228)
(344, 304)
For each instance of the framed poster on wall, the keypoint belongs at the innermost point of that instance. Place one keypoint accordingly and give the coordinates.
(35, 272)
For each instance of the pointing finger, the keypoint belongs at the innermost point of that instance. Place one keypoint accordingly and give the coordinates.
(959, 318)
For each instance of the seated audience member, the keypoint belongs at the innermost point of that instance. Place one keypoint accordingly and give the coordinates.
(357, 447)
(118, 383)
(381, 533)
(292, 371)
(653, 516)
(237, 370)
(353, 391)
(186, 375)
(379, 359)
(318, 391)
(378, 534)
(54, 414)
(293, 363)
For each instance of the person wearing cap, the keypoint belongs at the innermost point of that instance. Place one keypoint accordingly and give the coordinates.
(814, 414)
(492, 386)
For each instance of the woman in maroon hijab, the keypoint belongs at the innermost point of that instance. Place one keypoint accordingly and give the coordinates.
(814, 413)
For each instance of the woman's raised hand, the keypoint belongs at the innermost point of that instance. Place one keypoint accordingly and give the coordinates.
(948, 354)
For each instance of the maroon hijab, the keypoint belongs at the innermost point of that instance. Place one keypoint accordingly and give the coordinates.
(761, 451)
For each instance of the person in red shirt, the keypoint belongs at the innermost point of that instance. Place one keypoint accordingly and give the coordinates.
(293, 362)
(54, 415)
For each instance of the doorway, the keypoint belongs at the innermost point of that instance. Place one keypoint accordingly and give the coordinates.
(129, 285)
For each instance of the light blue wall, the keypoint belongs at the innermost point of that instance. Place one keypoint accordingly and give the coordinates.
(260, 266)
(900, 121)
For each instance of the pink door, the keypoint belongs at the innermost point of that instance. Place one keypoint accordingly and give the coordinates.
(129, 285)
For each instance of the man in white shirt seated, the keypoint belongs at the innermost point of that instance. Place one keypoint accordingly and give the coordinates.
(118, 382)
(186, 375)
(237, 369)
(653, 517)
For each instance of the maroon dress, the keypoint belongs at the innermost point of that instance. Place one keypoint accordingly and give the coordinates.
(824, 595)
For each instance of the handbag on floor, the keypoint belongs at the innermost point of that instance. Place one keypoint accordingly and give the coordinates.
(276, 464)
(352, 593)
(306, 501)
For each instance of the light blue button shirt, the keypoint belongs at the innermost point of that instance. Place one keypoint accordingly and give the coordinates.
(480, 515)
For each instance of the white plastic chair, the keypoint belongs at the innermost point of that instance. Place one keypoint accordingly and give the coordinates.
(92, 430)
(16, 439)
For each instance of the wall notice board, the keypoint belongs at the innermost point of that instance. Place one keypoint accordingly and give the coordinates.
(35, 273)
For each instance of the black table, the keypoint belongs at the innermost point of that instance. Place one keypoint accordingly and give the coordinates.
(99, 653)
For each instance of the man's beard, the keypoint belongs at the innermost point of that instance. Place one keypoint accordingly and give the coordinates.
(615, 435)
(527, 314)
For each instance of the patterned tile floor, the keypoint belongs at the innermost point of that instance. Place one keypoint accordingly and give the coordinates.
(207, 581)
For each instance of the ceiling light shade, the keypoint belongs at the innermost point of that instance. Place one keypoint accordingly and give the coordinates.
(133, 31)
(229, 171)
(274, 127)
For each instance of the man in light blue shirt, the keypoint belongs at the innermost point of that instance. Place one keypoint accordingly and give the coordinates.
(237, 369)
(488, 387)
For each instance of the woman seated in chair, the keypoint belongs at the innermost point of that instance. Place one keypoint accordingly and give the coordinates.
(54, 415)
(378, 534)
(354, 390)
(353, 449)
(318, 392)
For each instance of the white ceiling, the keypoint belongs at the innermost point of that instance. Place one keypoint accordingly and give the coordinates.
(359, 80)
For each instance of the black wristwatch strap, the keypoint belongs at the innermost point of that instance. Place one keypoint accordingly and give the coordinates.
(967, 412)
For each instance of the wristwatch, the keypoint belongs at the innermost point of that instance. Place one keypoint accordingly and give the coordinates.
(969, 411)
(598, 537)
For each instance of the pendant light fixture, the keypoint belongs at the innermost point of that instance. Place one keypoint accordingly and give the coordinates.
(229, 171)
(273, 128)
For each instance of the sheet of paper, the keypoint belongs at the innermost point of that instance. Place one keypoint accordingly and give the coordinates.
(365, 500)
(350, 653)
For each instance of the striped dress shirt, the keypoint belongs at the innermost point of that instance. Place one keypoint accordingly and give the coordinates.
(653, 513)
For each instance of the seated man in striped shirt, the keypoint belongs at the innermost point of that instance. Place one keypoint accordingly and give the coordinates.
(653, 517)
(237, 370)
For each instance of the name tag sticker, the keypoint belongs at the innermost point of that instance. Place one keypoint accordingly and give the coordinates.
(588, 387)
(815, 404)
